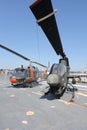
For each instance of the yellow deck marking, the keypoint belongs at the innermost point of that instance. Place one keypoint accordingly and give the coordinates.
(66, 102)
(25, 122)
(37, 93)
(30, 113)
(52, 106)
(81, 94)
(73, 103)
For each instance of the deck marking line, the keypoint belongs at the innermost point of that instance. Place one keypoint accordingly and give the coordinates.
(37, 93)
(73, 103)
(81, 94)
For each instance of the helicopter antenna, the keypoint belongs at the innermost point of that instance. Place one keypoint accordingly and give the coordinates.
(39, 64)
(23, 57)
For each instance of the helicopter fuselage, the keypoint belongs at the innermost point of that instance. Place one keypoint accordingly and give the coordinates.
(23, 76)
(57, 78)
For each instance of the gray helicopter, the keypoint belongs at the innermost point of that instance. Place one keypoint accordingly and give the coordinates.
(59, 74)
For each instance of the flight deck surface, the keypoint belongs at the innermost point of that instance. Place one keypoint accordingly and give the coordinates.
(29, 109)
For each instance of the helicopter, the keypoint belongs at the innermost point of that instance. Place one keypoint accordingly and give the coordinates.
(58, 78)
(24, 76)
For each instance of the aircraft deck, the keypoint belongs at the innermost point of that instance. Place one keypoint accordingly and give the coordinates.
(30, 109)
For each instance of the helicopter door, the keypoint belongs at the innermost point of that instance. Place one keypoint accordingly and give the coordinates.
(26, 74)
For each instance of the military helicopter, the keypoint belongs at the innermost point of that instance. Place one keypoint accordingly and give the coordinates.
(24, 76)
(59, 74)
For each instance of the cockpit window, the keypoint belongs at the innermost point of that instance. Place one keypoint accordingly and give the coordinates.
(54, 69)
(18, 70)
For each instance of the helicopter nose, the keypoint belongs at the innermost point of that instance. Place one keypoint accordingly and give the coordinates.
(13, 80)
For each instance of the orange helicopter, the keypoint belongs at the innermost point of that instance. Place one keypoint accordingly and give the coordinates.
(24, 76)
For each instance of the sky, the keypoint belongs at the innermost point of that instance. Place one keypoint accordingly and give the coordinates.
(20, 32)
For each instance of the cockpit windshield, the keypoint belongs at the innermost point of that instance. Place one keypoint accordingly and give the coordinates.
(54, 69)
(59, 69)
(18, 70)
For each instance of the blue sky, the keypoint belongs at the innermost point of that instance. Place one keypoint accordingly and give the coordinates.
(19, 31)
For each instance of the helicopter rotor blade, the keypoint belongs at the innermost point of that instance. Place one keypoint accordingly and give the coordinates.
(25, 58)
(39, 64)
(44, 13)
(14, 52)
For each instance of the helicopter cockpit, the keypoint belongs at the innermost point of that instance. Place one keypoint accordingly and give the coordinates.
(56, 74)
(18, 70)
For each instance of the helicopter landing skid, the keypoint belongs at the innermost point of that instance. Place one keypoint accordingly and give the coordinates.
(72, 89)
(68, 88)
(32, 84)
